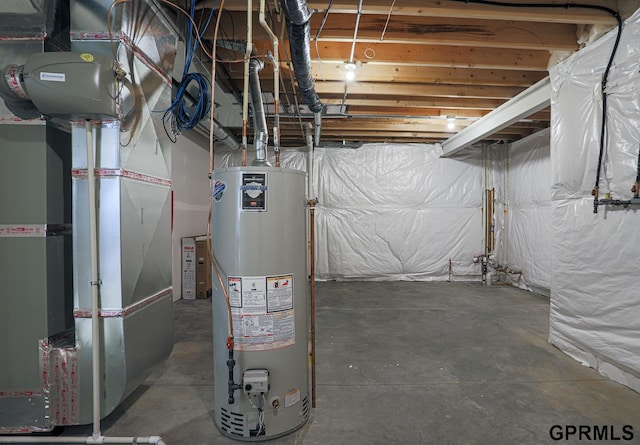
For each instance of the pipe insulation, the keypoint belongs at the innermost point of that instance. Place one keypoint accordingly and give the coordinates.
(299, 36)
(261, 134)
(298, 17)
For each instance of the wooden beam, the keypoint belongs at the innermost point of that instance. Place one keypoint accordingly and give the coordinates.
(407, 74)
(458, 31)
(459, 9)
(417, 89)
(418, 112)
(417, 104)
(356, 134)
(425, 31)
(426, 55)
(404, 73)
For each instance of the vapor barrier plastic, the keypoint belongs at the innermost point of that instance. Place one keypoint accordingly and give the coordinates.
(528, 226)
(594, 299)
(396, 212)
(392, 212)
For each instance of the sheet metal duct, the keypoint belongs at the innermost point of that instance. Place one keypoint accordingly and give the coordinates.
(261, 134)
(35, 264)
(61, 84)
(134, 182)
(223, 135)
(134, 214)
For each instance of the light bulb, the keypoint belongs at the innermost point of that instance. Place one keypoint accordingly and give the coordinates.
(350, 75)
(451, 122)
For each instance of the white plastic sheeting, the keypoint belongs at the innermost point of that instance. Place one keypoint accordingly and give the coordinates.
(396, 212)
(595, 300)
(392, 212)
(528, 219)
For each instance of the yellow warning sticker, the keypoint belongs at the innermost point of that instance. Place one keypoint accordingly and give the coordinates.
(87, 57)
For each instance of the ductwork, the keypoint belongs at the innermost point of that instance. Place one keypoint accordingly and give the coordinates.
(298, 16)
(13, 94)
(260, 132)
(299, 36)
(223, 135)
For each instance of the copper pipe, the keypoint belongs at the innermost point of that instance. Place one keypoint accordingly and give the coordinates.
(489, 233)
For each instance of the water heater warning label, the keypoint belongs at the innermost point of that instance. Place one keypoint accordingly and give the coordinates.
(262, 310)
(254, 192)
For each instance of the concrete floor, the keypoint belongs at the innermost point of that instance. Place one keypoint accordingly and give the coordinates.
(400, 363)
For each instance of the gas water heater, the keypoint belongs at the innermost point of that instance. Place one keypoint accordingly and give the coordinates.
(259, 242)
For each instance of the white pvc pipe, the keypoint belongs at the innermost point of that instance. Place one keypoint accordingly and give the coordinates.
(355, 33)
(247, 55)
(276, 74)
(95, 284)
(86, 440)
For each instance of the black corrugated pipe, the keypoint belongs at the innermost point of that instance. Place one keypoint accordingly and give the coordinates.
(298, 16)
(260, 132)
(301, 58)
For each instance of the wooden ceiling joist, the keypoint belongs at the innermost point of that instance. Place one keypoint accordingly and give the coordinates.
(418, 62)
(459, 9)
(425, 31)
(377, 53)
(418, 89)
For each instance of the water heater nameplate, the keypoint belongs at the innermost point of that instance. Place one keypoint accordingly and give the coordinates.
(254, 192)
(263, 312)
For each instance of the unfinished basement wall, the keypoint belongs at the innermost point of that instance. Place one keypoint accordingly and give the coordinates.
(526, 220)
(397, 212)
(392, 212)
(595, 299)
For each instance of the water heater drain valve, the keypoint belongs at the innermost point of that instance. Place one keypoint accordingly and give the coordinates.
(255, 382)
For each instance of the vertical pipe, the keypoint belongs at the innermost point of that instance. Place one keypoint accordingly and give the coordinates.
(245, 95)
(276, 81)
(260, 132)
(312, 204)
(355, 32)
(95, 283)
(506, 215)
(490, 214)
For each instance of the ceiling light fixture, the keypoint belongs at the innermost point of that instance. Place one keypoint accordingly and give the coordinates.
(350, 68)
(350, 75)
(451, 122)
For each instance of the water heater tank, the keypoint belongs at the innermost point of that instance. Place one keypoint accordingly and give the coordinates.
(259, 241)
